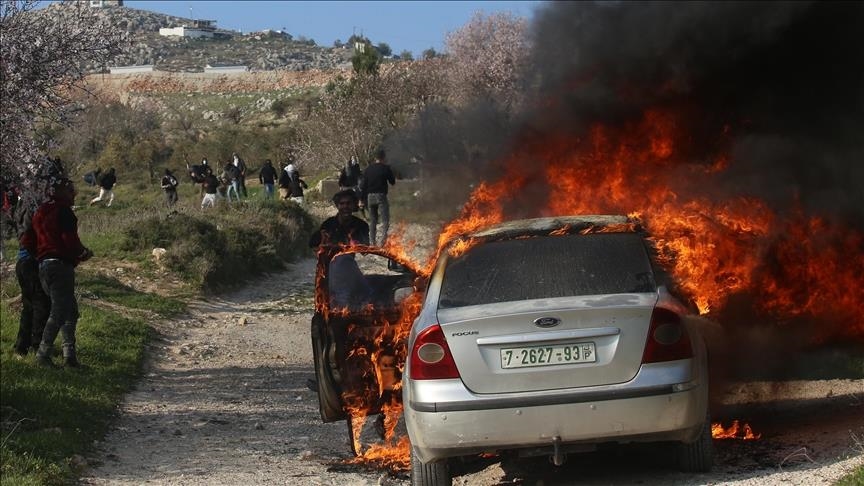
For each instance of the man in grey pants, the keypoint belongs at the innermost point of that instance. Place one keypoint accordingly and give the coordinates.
(376, 181)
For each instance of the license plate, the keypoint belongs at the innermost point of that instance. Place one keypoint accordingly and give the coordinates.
(548, 355)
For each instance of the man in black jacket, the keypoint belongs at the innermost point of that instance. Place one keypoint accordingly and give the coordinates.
(375, 183)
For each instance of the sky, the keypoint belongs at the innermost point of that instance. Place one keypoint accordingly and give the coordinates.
(404, 25)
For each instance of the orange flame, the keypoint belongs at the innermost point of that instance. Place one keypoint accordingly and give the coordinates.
(735, 431)
(793, 265)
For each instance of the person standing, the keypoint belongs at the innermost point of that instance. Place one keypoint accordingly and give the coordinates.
(375, 184)
(35, 304)
(209, 186)
(106, 187)
(169, 185)
(241, 175)
(59, 251)
(267, 177)
(231, 177)
(344, 228)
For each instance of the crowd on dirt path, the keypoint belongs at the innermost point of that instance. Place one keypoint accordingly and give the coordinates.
(49, 247)
(370, 186)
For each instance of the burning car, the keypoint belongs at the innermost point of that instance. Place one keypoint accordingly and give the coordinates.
(358, 342)
(547, 336)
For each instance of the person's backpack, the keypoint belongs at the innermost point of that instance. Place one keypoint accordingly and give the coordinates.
(173, 181)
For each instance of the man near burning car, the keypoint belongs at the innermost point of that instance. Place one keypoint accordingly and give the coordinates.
(344, 228)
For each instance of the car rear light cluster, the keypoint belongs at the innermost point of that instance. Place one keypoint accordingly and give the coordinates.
(667, 338)
(430, 357)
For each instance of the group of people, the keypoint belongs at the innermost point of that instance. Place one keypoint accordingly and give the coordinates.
(49, 251)
(232, 180)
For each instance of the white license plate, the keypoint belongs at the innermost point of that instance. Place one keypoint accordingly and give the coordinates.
(548, 355)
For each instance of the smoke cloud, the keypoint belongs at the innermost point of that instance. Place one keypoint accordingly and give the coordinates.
(784, 80)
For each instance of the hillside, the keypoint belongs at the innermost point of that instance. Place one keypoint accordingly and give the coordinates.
(260, 51)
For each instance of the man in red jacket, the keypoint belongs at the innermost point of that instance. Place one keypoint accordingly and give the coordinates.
(59, 250)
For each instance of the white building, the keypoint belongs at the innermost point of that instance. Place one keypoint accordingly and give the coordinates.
(184, 31)
(225, 69)
(144, 68)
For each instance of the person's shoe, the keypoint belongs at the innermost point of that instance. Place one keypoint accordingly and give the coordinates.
(45, 362)
(71, 362)
(20, 353)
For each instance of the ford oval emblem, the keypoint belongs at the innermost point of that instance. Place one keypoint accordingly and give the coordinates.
(547, 321)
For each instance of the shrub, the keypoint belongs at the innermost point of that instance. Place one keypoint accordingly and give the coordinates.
(231, 244)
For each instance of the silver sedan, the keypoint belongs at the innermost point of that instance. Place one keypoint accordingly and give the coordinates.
(549, 336)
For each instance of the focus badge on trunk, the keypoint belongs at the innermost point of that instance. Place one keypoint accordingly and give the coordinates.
(547, 321)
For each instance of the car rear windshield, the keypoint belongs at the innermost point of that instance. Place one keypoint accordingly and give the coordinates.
(548, 266)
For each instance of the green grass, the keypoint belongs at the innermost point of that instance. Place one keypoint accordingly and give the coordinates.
(855, 478)
(50, 415)
(111, 290)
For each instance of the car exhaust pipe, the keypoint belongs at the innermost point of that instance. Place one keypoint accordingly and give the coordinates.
(558, 457)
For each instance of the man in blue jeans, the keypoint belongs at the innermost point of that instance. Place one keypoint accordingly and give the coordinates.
(375, 182)
(35, 304)
(59, 251)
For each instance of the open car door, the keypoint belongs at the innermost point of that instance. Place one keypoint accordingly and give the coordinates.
(355, 330)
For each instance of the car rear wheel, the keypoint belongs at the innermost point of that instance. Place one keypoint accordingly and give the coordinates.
(697, 456)
(429, 474)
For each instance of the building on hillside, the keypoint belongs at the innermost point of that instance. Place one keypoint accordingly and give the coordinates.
(223, 69)
(103, 3)
(199, 28)
(144, 68)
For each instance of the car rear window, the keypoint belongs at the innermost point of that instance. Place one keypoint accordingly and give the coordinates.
(548, 266)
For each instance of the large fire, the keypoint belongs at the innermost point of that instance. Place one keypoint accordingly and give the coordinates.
(792, 266)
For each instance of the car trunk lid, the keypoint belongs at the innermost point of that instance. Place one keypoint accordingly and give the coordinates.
(547, 344)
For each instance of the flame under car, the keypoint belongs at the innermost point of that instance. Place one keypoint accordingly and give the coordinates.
(357, 340)
(552, 335)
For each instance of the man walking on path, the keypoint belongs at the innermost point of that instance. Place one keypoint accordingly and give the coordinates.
(375, 183)
(106, 187)
(169, 185)
(240, 186)
(59, 251)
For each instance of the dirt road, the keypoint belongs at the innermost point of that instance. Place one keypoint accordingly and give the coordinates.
(224, 401)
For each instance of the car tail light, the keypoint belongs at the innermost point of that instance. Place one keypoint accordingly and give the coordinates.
(430, 357)
(667, 338)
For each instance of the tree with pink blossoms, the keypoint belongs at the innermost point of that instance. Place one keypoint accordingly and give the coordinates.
(43, 55)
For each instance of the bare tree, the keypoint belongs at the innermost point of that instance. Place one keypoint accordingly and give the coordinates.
(354, 116)
(42, 57)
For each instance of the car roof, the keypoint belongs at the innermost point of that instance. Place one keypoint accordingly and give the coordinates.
(545, 225)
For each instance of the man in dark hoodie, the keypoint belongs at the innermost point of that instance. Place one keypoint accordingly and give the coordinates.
(59, 251)
(267, 176)
(106, 187)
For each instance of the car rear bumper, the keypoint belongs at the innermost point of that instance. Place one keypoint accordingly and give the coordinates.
(641, 410)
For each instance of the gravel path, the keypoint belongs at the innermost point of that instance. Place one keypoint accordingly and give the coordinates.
(224, 401)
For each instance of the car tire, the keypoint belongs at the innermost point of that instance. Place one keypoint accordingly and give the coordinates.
(697, 456)
(429, 474)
